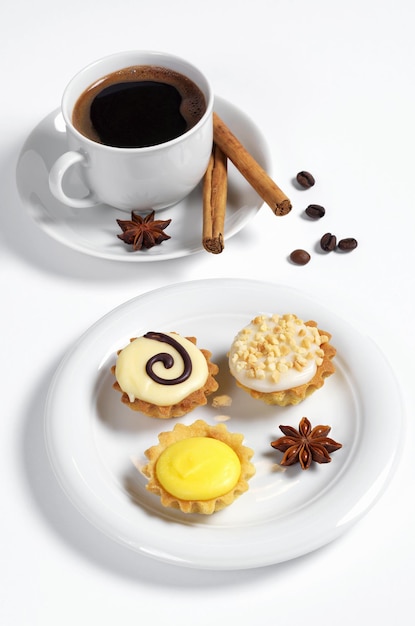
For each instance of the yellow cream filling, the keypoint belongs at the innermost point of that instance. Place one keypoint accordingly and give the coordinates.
(130, 371)
(198, 468)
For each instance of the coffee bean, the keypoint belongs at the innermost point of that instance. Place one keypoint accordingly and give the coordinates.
(328, 242)
(305, 179)
(347, 244)
(315, 211)
(300, 257)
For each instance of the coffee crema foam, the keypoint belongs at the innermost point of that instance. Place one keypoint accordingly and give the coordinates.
(192, 105)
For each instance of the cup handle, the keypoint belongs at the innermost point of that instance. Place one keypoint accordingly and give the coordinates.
(56, 176)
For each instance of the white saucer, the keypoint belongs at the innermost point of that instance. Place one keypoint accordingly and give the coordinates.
(92, 438)
(94, 231)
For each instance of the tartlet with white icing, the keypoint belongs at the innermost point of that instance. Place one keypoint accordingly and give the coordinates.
(280, 359)
(164, 375)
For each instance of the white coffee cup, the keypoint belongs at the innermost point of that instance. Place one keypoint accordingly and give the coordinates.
(152, 177)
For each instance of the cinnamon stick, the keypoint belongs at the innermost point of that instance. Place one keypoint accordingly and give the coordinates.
(257, 177)
(215, 187)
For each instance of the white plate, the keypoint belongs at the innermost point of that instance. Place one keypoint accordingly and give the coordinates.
(92, 438)
(94, 231)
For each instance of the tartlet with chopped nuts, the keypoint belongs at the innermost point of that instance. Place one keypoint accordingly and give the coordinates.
(280, 359)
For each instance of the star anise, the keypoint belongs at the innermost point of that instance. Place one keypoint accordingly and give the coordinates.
(306, 444)
(143, 232)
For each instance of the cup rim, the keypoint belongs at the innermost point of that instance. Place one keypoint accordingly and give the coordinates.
(154, 53)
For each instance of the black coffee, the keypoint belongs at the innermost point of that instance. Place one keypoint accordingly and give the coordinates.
(139, 106)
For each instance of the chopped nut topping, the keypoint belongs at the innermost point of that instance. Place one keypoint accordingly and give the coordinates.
(273, 345)
(223, 400)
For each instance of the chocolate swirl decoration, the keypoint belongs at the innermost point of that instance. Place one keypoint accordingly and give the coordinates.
(168, 360)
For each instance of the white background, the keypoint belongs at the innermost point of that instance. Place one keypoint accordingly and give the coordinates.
(331, 86)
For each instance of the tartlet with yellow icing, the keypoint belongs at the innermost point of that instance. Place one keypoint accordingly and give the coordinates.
(198, 468)
(280, 359)
(164, 375)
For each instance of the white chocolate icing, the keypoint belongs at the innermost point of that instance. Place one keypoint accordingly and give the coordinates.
(131, 375)
(276, 353)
